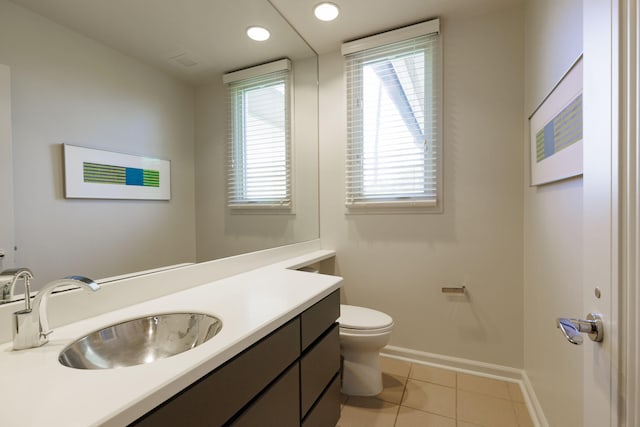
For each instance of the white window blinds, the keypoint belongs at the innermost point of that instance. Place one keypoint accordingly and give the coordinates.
(393, 120)
(259, 159)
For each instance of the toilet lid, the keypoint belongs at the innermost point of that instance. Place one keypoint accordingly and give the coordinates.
(354, 317)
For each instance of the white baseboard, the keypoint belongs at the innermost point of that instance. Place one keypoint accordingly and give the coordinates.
(535, 409)
(468, 366)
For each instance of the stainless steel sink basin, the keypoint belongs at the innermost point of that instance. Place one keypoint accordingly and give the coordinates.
(139, 341)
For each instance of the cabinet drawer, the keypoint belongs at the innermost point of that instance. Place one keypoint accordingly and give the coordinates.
(276, 406)
(217, 397)
(318, 367)
(326, 412)
(318, 318)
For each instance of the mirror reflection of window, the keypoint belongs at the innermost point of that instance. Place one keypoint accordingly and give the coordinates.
(260, 143)
(264, 126)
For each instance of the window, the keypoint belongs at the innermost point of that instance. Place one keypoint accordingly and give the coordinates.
(259, 143)
(393, 119)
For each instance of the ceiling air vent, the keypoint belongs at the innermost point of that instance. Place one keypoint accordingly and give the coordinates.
(183, 59)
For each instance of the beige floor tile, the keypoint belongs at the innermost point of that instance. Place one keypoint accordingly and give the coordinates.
(515, 392)
(367, 412)
(395, 367)
(408, 417)
(434, 375)
(524, 419)
(465, 424)
(393, 388)
(430, 397)
(485, 410)
(491, 387)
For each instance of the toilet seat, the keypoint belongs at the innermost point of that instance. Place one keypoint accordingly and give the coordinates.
(352, 331)
(361, 320)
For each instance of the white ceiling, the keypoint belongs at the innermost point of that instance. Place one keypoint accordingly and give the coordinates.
(212, 32)
(359, 18)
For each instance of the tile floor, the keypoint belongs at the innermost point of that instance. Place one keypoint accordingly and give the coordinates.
(423, 396)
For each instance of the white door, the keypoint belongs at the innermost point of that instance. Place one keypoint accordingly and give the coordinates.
(601, 209)
(6, 172)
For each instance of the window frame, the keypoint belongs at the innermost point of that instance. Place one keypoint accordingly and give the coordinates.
(355, 201)
(239, 83)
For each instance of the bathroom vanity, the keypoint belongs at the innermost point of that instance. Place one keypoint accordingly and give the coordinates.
(275, 358)
(289, 378)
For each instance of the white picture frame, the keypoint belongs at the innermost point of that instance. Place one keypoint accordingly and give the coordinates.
(555, 130)
(98, 174)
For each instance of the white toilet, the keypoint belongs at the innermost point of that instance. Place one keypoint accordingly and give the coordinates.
(363, 333)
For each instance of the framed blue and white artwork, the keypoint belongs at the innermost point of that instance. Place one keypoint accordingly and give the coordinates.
(556, 131)
(99, 174)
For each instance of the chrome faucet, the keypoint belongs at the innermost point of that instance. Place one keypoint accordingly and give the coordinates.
(8, 280)
(30, 326)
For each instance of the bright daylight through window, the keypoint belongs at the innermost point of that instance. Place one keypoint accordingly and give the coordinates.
(393, 117)
(259, 148)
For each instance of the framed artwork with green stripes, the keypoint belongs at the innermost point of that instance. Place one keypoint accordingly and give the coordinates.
(99, 174)
(556, 131)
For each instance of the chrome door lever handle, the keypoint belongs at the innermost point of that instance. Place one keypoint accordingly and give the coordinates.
(572, 328)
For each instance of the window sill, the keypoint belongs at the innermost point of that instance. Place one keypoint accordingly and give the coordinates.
(394, 207)
(261, 209)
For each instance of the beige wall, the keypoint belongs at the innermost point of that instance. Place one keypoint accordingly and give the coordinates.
(67, 88)
(222, 233)
(398, 263)
(6, 171)
(552, 225)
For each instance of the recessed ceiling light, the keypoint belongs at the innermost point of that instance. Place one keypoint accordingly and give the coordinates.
(258, 34)
(326, 11)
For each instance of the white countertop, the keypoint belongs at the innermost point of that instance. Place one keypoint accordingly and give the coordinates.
(36, 390)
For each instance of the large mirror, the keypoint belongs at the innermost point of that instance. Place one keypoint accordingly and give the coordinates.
(142, 78)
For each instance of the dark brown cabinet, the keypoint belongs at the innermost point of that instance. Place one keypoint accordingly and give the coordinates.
(289, 378)
(277, 406)
(317, 368)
